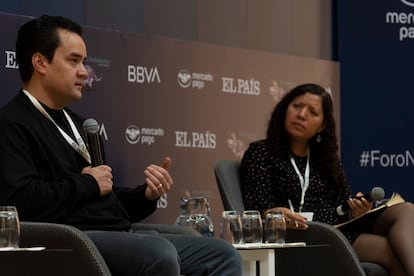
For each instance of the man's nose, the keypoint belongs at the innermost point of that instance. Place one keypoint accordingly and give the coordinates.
(83, 72)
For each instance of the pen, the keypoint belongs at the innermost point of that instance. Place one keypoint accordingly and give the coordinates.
(292, 210)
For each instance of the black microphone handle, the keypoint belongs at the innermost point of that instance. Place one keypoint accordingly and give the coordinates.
(343, 209)
(95, 149)
(376, 193)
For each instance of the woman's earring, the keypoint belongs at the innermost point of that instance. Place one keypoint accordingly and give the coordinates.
(318, 138)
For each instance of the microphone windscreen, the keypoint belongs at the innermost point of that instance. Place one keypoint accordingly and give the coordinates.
(90, 126)
(377, 194)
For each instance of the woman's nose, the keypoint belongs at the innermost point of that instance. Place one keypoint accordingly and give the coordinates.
(302, 113)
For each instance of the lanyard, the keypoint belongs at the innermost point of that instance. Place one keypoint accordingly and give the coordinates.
(79, 146)
(304, 181)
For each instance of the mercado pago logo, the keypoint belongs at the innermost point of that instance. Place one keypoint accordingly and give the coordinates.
(11, 62)
(403, 21)
(196, 80)
(145, 135)
(408, 2)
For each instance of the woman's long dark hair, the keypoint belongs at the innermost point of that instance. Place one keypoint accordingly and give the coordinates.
(324, 154)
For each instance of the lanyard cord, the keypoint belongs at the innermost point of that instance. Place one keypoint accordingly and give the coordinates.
(78, 146)
(304, 181)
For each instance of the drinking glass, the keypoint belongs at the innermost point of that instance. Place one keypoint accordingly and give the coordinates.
(275, 227)
(252, 227)
(231, 227)
(9, 227)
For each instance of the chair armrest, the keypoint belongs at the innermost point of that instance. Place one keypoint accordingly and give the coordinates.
(60, 236)
(340, 257)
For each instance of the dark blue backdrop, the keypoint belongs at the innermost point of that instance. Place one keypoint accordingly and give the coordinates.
(375, 50)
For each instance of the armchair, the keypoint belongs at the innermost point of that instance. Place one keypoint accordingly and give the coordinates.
(85, 259)
(340, 259)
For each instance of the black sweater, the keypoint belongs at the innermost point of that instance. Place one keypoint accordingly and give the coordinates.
(40, 174)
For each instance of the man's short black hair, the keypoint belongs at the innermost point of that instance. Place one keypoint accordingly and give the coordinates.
(40, 35)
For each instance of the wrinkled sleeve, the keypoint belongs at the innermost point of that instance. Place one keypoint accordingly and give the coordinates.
(21, 183)
(135, 203)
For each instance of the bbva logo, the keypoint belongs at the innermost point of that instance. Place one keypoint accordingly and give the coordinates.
(408, 2)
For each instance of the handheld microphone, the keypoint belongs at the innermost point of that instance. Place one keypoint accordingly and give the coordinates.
(91, 128)
(377, 193)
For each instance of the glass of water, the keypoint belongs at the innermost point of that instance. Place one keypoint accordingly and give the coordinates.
(231, 227)
(9, 227)
(275, 227)
(252, 227)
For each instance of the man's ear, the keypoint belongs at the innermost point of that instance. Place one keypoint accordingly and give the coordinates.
(39, 62)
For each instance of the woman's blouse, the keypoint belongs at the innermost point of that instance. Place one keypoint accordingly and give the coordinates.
(270, 181)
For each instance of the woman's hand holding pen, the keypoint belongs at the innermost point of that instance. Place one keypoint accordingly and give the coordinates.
(293, 220)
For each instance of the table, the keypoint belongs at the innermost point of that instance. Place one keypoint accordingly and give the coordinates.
(266, 256)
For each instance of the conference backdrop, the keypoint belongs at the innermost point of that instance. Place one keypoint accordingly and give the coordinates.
(197, 103)
(375, 43)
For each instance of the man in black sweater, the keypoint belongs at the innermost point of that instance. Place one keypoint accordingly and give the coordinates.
(45, 166)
